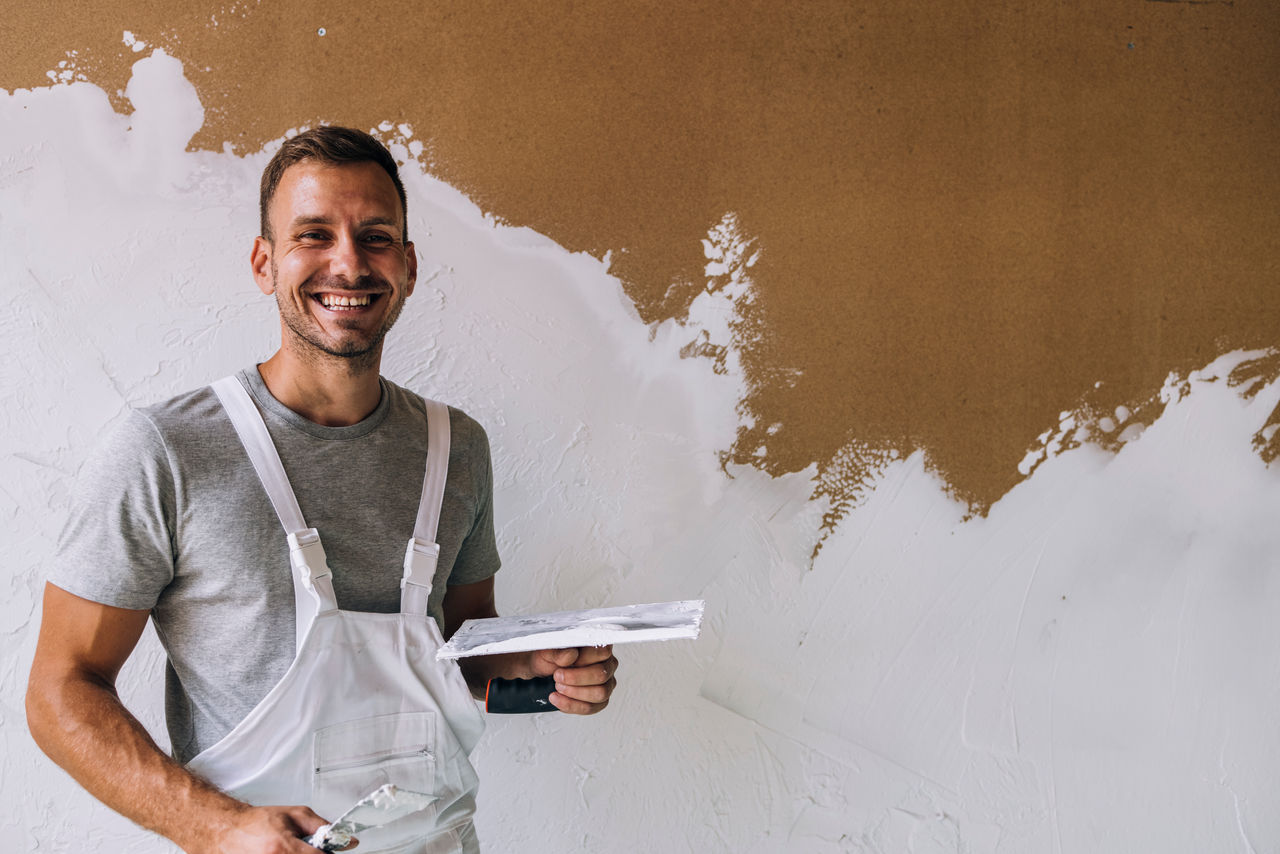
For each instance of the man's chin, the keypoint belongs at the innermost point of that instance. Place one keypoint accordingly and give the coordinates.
(350, 340)
(348, 349)
(352, 349)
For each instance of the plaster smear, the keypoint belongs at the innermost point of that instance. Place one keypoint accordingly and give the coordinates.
(564, 629)
(1089, 668)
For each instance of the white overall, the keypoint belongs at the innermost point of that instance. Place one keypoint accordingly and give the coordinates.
(365, 702)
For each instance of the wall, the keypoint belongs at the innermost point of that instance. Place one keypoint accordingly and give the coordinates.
(899, 655)
(971, 216)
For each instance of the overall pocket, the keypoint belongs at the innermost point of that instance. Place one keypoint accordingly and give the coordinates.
(356, 757)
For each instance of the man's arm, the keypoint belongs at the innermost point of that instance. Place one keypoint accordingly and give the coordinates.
(76, 717)
(584, 676)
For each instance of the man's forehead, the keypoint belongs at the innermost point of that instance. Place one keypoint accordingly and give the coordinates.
(310, 188)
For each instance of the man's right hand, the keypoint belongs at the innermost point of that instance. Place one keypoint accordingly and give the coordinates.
(267, 830)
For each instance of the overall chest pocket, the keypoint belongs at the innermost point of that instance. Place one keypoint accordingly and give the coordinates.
(355, 757)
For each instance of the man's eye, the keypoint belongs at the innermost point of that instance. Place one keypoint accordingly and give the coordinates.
(311, 235)
(377, 238)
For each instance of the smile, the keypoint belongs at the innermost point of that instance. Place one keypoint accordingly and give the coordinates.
(337, 302)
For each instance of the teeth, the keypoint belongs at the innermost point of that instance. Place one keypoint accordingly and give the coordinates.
(335, 301)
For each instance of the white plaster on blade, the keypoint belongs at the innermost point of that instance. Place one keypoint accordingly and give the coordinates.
(628, 624)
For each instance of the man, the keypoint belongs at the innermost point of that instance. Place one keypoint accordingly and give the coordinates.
(279, 700)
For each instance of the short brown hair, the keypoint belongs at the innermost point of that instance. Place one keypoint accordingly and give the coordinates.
(332, 145)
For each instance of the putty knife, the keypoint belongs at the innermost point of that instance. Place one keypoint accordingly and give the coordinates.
(381, 806)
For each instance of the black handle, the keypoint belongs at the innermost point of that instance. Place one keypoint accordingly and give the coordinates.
(519, 696)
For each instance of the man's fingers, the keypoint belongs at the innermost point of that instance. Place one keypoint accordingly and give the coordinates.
(305, 818)
(592, 654)
(274, 828)
(587, 674)
(305, 822)
(585, 700)
(585, 688)
(308, 822)
(559, 657)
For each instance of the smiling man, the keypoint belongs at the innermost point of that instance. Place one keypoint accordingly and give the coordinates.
(337, 300)
(303, 535)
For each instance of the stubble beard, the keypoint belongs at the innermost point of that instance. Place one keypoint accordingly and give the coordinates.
(357, 357)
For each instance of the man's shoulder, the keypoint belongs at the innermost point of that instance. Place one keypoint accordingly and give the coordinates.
(150, 442)
(195, 402)
(197, 412)
(464, 429)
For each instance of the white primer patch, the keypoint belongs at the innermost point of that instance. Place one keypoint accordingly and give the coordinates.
(134, 43)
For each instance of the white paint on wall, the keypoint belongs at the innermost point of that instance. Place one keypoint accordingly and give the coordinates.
(134, 43)
(1088, 669)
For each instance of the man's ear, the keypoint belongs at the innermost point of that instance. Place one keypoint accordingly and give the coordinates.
(411, 258)
(260, 263)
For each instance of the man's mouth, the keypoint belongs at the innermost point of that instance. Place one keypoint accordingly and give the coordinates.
(340, 302)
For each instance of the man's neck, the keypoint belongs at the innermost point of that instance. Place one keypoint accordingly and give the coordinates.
(329, 394)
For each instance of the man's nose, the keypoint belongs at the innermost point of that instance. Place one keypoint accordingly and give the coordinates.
(347, 258)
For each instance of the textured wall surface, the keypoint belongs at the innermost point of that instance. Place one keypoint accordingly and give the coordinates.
(1089, 667)
(970, 216)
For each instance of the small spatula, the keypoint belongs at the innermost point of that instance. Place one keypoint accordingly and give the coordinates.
(381, 806)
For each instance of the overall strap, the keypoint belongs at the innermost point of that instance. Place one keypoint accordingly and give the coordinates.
(423, 553)
(312, 579)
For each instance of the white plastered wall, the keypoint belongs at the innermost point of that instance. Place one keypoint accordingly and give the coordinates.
(1090, 668)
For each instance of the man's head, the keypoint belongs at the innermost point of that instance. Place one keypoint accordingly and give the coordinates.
(333, 146)
(333, 248)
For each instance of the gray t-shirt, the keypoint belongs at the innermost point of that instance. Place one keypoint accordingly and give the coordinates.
(170, 517)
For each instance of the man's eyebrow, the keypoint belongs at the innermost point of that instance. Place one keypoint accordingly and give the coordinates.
(310, 220)
(379, 220)
(319, 219)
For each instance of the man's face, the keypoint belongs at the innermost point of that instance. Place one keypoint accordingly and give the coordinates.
(336, 264)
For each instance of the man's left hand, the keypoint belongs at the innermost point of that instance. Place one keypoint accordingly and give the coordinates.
(584, 677)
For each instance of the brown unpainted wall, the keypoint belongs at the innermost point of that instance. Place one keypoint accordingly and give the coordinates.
(969, 214)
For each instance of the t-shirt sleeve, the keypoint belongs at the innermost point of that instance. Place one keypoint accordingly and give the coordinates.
(478, 557)
(117, 545)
